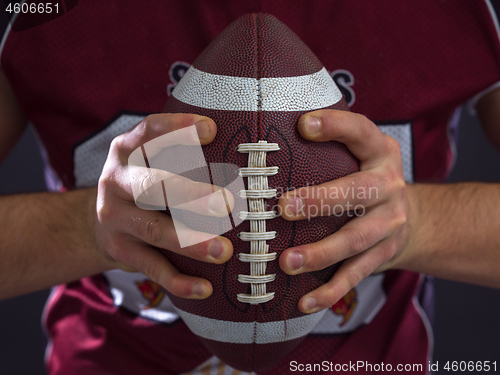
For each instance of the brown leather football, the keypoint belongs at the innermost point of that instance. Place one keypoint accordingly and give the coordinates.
(255, 80)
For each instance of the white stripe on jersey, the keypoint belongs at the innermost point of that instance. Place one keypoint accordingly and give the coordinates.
(370, 299)
(300, 93)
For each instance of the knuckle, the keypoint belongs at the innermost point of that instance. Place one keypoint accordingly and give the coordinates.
(395, 177)
(392, 182)
(106, 180)
(142, 131)
(154, 231)
(120, 148)
(115, 249)
(397, 212)
(392, 145)
(363, 120)
(117, 142)
(398, 182)
(391, 251)
(357, 241)
(335, 116)
(178, 286)
(108, 185)
(146, 124)
(190, 189)
(106, 213)
(313, 199)
(198, 251)
(387, 253)
(400, 217)
(319, 258)
(146, 181)
(365, 124)
(366, 181)
(179, 117)
(352, 279)
(153, 272)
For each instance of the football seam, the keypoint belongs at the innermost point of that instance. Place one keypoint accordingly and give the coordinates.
(258, 190)
(259, 83)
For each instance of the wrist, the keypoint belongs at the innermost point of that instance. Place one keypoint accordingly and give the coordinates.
(89, 233)
(408, 243)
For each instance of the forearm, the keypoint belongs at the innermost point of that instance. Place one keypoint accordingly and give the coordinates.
(455, 232)
(47, 239)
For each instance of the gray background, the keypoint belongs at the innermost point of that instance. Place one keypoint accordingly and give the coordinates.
(467, 317)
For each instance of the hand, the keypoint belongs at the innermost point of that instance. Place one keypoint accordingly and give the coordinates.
(128, 235)
(372, 241)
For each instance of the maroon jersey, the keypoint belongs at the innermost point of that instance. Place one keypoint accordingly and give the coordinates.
(95, 72)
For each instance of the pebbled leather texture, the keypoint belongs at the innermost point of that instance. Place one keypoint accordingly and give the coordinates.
(259, 46)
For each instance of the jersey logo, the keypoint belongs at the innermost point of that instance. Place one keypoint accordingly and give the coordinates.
(176, 72)
(346, 305)
(151, 291)
(345, 80)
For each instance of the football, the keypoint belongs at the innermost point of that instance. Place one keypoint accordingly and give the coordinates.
(255, 80)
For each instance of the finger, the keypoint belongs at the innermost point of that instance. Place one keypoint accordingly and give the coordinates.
(154, 140)
(353, 238)
(357, 191)
(350, 274)
(154, 265)
(160, 189)
(359, 134)
(157, 229)
(156, 125)
(134, 148)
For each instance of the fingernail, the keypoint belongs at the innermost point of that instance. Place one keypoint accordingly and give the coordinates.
(295, 260)
(217, 203)
(198, 289)
(294, 206)
(310, 303)
(216, 249)
(312, 125)
(202, 129)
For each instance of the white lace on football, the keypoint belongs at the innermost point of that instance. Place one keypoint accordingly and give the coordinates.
(258, 190)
